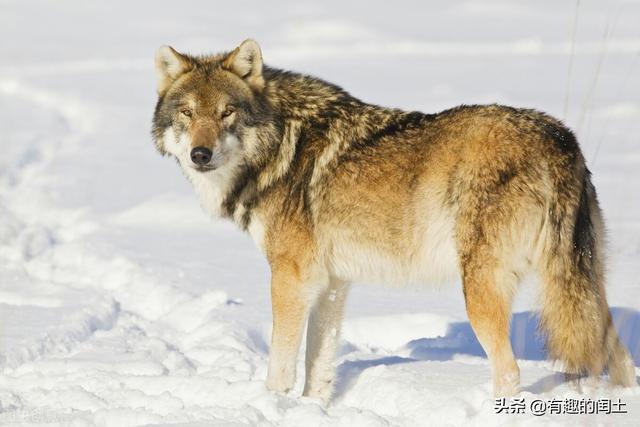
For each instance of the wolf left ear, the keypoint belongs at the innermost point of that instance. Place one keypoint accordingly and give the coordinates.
(246, 62)
(169, 66)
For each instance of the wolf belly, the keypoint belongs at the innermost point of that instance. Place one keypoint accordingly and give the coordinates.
(428, 256)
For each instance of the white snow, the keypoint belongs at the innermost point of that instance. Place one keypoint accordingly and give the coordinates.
(123, 304)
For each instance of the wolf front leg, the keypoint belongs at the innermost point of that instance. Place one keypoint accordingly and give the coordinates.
(290, 301)
(323, 333)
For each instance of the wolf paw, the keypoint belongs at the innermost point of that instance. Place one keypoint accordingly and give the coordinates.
(319, 389)
(622, 371)
(507, 385)
(280, 381)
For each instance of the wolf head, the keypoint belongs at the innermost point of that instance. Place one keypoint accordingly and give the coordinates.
(210, 108)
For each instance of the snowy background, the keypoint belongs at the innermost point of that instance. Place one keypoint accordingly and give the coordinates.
(122, 304)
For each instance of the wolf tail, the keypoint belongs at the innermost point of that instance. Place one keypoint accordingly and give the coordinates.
(575, 314)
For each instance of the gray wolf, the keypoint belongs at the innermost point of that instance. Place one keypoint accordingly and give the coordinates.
(334, 190)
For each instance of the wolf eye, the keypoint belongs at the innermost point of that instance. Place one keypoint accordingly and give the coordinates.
(228, 111)
(187, 112)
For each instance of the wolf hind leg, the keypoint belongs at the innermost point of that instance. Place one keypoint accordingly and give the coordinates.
(323, 333)
(488, 294)
(619, 363)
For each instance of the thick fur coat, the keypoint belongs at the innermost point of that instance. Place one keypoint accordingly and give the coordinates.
(334, 190)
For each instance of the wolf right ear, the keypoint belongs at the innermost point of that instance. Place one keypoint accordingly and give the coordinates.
(246, 62)
(169, 66)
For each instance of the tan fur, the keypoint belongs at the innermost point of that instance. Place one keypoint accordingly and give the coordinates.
(334, 190)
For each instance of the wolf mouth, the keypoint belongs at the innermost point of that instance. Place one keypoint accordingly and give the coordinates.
(204, 169)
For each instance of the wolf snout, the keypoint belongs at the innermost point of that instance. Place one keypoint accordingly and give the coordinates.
(201, 156)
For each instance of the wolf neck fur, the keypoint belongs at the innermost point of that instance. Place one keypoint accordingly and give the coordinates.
(313, 113)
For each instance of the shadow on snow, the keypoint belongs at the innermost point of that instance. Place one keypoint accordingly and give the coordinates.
(526, 340)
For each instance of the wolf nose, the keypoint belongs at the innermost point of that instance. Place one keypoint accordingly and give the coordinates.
(201, 156)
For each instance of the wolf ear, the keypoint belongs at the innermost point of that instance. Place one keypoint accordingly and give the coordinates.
(246, 62)
(169, 66)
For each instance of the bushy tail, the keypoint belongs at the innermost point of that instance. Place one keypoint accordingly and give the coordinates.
(575, 314)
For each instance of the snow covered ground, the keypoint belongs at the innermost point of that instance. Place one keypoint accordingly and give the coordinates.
(121, 304)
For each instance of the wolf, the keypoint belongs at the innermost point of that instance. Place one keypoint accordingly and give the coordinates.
(334, 190)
